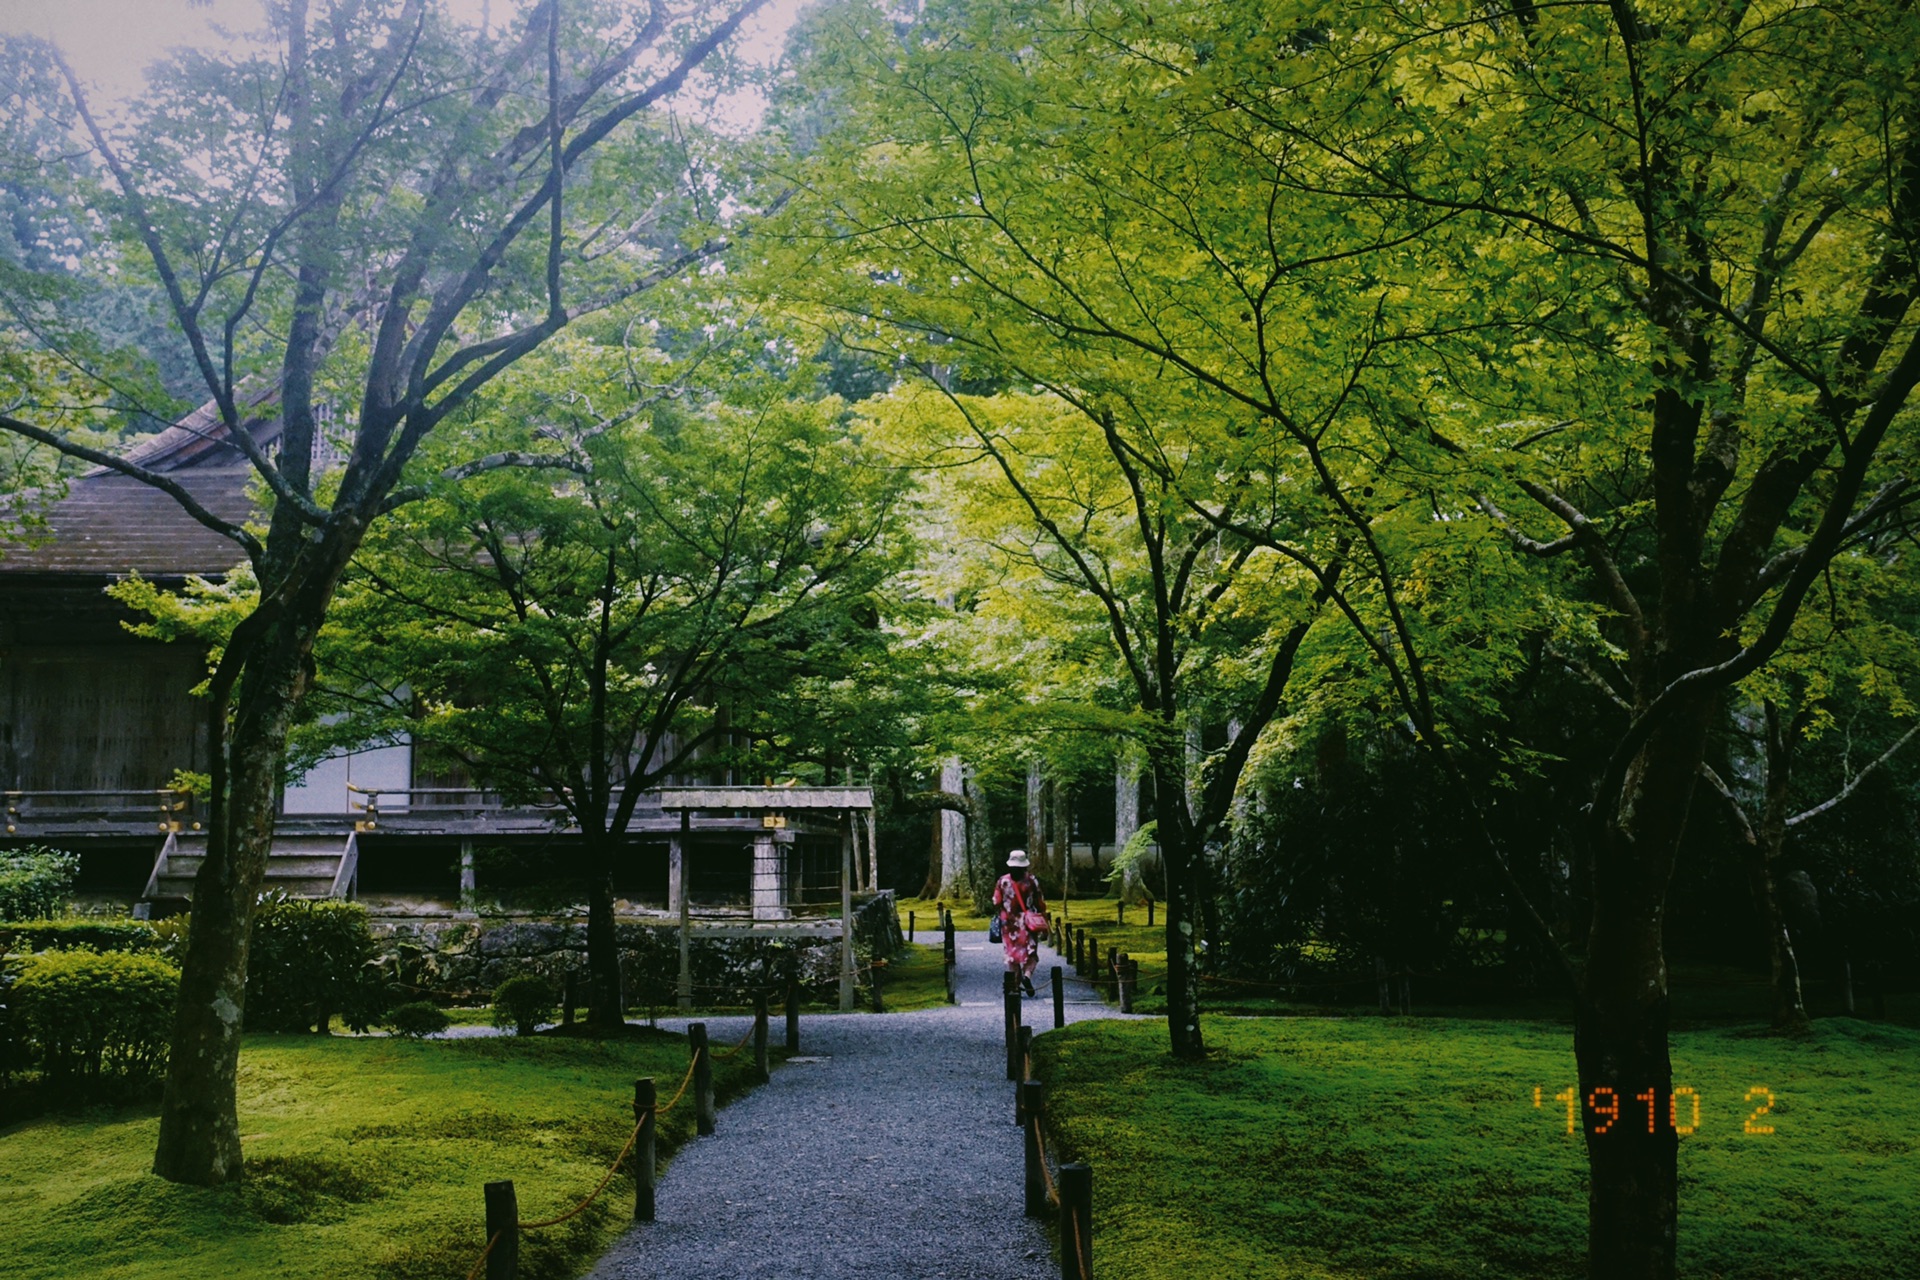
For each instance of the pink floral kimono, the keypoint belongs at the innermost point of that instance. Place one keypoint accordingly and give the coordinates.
(1014, 898)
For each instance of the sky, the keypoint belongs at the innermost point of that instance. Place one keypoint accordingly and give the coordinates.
(110, 42)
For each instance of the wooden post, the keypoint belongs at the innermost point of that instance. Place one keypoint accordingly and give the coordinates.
(909, 926)
(503, 1229)
(1076, 1222)
(1059, 998)
(879, 968)
(1113, 971)
(1011, 998)
(952, 958)
(793, 1015)
(762, 1067)
(645, 1098)
(1033, 1101)
(846, 911)
(1149, 913)
(677, 853)
(702, 1076)
(1023, 1049)
(1080, 953)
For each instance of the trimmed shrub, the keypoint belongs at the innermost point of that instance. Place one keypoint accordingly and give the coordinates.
(96, 1022)
(523, 1003)
(13, 1044)
(417, 1018)
(35, 882)
(310, 960)
(89, 932)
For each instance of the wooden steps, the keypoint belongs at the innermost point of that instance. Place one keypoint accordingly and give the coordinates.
(301, 865)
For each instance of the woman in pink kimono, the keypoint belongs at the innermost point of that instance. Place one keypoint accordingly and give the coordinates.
(1017, 894)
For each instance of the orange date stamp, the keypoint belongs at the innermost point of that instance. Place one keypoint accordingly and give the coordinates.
(1607, 1110)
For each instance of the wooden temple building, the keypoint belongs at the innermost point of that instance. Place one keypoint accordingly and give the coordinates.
(95, 723)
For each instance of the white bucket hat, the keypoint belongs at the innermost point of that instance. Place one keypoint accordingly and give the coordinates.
(1018, 858)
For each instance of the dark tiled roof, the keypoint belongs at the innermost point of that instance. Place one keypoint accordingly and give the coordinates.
(109, 525)
(200, 438)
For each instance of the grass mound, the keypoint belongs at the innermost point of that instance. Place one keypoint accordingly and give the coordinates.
(1396, 1149)
(365, 1158)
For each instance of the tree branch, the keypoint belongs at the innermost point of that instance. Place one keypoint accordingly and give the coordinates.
(1854, 782)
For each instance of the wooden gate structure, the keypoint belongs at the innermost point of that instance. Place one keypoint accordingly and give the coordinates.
(782, 893)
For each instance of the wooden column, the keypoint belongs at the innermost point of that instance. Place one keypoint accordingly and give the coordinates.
(503, 1229)
(846, 912)
(702, 1053)
(645, 1164)
(1033, 1105)
(762, 1065)
(683, 903)
(1076, 1222)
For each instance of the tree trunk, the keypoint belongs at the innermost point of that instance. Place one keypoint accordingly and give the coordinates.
(604, 1005)
(1177, 853)
(1126, 813)
(952, 829)
(1620, 1026)
(930, 887)
(1063, 829)
(1036, 813)
(199, 1140)
(1783, 968)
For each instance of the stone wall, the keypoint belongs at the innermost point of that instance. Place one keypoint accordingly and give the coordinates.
(462, 961)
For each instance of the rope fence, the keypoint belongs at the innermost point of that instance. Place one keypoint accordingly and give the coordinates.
(722, 1057)
(484, 1255)
(1069, 1196)
(500, 1259)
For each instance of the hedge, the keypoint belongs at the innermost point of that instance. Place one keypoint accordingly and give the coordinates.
(95, 1024)
(35, 882)
(93, 933)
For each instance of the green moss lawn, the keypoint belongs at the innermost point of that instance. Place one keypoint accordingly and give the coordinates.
(366, 1159)
(1410, 1149)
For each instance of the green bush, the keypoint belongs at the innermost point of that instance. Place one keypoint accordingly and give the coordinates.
(35, 882)
(310, 960)
(96, 1023)
(417, 1018)
(523, 1003)
(13, 1044)
(89, 932)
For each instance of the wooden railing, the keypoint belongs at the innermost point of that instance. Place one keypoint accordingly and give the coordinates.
(159, 805)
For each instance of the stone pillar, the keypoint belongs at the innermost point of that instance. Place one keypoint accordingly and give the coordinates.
(467, 883)
(769, 898)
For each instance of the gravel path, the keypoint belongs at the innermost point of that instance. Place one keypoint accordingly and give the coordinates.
(887, 1148)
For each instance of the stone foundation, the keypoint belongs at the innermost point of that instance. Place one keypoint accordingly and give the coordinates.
(462, 961)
